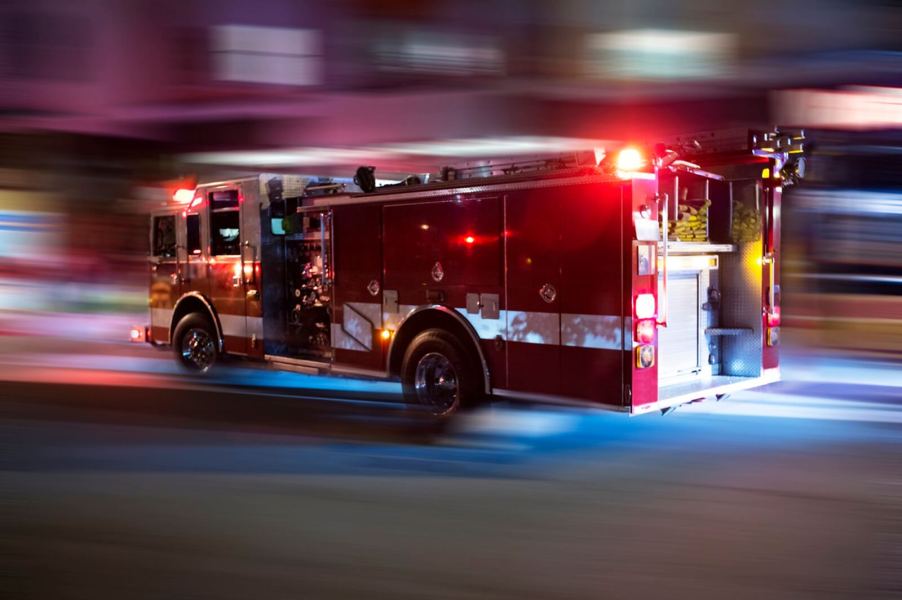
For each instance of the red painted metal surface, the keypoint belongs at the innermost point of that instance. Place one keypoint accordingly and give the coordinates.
(591, 275)
(642, 195)
(533, 261)
(357, 246)
(772, 206)
(419, 235)
(164, 293)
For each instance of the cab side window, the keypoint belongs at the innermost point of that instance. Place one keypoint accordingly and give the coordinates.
(225, 234)
(193, 222)
(163, 243)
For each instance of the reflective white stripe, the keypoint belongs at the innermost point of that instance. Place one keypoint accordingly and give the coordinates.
(255, 328)
(487, 329)
(342, 340)
(241, 326)
(358, 321)
(160, 317)
(604, 332)
(371, 310)
(592, 331)
(393, 320)
(533, 327)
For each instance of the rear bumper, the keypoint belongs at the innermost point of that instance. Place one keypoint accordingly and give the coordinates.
(703, 389)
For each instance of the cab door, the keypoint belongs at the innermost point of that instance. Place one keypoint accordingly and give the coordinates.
(226, 269)
(165, 271)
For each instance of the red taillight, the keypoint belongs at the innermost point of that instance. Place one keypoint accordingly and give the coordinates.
(773, 317)
(645, 331)
(645, 306)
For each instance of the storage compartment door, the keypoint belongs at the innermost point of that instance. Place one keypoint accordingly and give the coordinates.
(678, 343)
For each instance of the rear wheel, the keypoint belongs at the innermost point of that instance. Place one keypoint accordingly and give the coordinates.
(194, 342)
(438, 374)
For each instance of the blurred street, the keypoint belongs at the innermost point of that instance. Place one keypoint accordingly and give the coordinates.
(435, 190)
(123, 479)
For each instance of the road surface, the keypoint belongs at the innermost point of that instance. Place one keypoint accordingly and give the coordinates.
(122, 480)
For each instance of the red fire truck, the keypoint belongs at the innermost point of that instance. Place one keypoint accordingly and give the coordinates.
(634, 279)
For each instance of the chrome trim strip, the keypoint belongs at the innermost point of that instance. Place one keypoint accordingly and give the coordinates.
(473, 189)
(288, 364)
(300, 362)
(317, 367)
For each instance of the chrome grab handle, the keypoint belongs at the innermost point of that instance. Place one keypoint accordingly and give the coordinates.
(768, 260)
(179, 278)
(251, 279)
(662, 289)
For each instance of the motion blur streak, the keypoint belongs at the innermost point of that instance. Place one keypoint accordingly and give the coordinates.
(121, 477)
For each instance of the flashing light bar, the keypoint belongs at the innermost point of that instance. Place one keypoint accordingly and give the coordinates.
(183, 195)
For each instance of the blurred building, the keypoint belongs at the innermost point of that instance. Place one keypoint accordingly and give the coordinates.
(101, 99)
(195, 75)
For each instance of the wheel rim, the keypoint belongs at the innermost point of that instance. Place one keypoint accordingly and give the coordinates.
(198, 349)
(436, 382)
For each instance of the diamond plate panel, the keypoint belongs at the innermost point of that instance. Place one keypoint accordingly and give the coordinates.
(740, 275)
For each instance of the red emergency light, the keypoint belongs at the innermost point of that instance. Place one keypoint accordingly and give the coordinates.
(773, 317)
(629, 160)
(183, 195)
(645, 331)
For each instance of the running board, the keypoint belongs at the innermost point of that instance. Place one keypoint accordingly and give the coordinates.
(298, 365)
(706, 388)
(314, 367)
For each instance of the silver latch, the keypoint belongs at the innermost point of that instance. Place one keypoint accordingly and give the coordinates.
(473, 304)
(490, 305)
(390, 301)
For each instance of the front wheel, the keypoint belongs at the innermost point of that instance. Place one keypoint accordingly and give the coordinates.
(194, 342)
(437, 374)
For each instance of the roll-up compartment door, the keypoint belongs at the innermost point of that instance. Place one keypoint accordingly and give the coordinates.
(678, 343)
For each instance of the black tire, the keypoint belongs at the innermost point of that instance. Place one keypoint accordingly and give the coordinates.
(439, 374)
(195, 343)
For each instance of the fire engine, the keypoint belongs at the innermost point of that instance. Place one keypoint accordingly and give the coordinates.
(630, 278)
